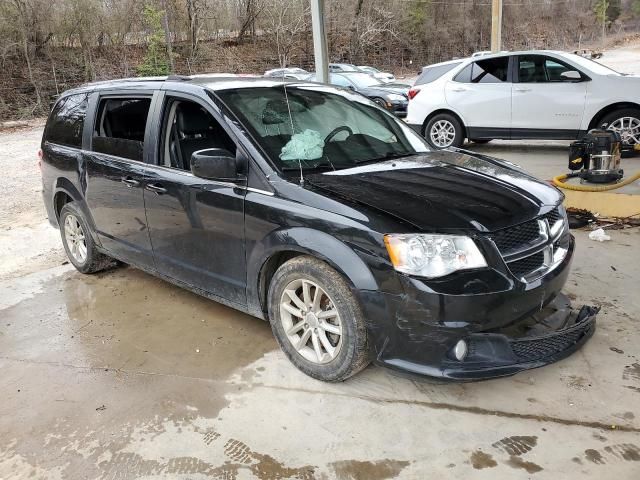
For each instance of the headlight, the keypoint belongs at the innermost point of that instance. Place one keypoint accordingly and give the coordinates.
(394, 97)
(431, 256)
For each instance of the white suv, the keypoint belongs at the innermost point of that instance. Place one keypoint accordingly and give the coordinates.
(518, 95)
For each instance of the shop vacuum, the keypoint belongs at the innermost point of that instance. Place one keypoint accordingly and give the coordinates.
(595, 159)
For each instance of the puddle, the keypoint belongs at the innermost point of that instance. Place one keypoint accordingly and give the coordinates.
(127, 320)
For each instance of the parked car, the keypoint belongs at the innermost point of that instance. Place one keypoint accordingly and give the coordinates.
(391, 97)
(290, 73)
(522, 95)
(382, 76)
(311, 208)
(343, 67)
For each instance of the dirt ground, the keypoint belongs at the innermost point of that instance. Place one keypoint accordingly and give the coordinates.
(121, 375)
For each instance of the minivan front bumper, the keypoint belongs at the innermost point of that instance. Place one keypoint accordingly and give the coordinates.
(517, 328)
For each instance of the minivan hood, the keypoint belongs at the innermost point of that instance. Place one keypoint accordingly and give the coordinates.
(443, 191)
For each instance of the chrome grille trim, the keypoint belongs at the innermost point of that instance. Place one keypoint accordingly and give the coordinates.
(537, 257)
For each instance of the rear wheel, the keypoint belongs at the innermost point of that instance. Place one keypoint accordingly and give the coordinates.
(626, 122)
(78, 243)
(317, 321)
(444, 131)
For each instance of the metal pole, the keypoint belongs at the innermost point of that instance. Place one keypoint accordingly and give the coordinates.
(319, 41)
(496, 26)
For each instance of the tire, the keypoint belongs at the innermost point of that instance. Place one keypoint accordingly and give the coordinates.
(444, 131)
(350, 347)
(630, 117)
(78, 242)
(380, 102)
(480, 141)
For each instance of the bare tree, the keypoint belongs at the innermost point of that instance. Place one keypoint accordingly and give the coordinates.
(248, 11)
(285, 21)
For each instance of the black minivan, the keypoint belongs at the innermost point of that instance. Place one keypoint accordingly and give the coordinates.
(315, 209)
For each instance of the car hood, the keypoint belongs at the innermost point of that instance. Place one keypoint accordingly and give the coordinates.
(443, 191)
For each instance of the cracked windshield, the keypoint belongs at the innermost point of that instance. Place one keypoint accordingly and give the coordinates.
(312, 129)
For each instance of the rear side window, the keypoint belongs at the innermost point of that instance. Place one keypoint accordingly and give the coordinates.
(67, 120)
(120, 126)
(491, 70)
(464, 75)
(431, 74)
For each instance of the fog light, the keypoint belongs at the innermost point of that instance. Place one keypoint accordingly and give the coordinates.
(460, 350)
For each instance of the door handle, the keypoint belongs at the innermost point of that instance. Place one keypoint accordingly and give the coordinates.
(523, 89)
(157, 189)
(130, 182)
(459, 89)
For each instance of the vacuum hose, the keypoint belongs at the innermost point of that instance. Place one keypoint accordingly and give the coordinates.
(560, 180)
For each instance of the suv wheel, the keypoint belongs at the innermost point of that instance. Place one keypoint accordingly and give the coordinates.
(444, 131)
(626, 122)
(78, 243)
(317, 321)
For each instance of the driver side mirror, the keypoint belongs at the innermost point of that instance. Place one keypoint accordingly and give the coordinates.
(214, 164)
(571, 76)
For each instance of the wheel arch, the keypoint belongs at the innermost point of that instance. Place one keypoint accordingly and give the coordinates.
(449, 112)
(283, 245)
(603, 112)
(64, 191)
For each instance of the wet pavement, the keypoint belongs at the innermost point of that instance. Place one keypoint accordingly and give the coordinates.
(121, 375)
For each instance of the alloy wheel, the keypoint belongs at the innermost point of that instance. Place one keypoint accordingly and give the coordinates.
(628, 128)
(442, 133)
(75, 238)
(311, 321)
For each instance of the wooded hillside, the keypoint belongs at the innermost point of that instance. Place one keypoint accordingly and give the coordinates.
(48, 46)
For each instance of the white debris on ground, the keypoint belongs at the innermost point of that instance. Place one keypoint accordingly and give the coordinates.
(599, 235)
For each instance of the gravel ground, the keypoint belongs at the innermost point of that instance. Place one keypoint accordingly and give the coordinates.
(27, 241)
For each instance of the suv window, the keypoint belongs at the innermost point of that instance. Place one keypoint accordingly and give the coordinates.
(67, 120)
(340, 81)
(539, 69)
(188, 127)
(464, 75)
(120, 126)
(431, 74)
(491, 70)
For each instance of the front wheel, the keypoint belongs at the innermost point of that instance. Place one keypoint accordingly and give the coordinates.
(626, 122)
(317, 321)
(380, 102)
(444, 131)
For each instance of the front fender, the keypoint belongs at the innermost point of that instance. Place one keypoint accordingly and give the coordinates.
(310, 242)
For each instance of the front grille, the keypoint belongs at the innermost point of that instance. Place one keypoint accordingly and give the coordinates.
(517, 241)
(516, 237)
(553, 216)
(523, 267)
(539, 348)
